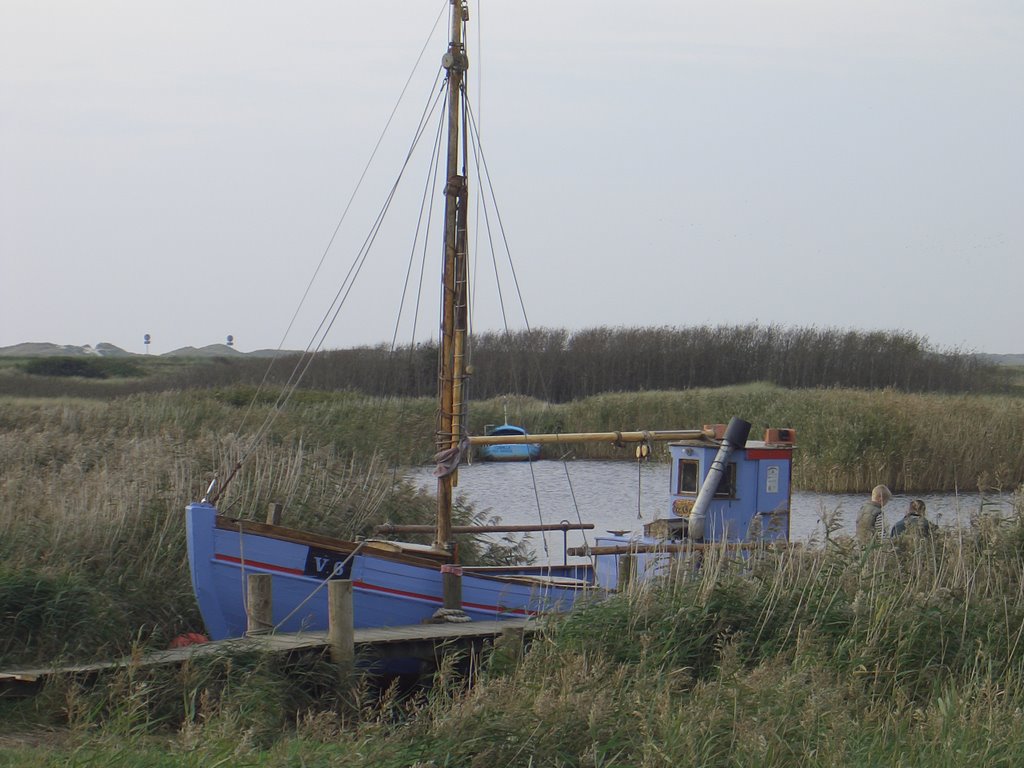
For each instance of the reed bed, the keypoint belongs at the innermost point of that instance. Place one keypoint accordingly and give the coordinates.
(873, 650)
(92, 491)
(92, 549)
(905, 653)
(908, 652)
(848, 440)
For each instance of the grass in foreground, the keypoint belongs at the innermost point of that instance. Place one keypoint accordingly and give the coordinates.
(907, 653)
(879, 658)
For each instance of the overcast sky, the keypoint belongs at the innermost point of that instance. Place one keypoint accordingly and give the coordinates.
(179, 168)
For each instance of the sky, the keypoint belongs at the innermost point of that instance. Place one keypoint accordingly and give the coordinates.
(179, 169)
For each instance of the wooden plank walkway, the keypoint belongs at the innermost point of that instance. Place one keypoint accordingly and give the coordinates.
(375, 642)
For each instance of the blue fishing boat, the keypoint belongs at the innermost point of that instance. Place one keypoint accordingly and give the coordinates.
(508, 451)
(393, 583)
(396, 583)
(725, 490)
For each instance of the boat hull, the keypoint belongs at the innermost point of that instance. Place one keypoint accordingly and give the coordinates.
(389, 589)
(506, 452)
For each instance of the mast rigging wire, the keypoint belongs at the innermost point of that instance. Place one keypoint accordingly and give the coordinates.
(331, 316)
(348, 206)
(472, 142)
(344, 290)
(486, 201)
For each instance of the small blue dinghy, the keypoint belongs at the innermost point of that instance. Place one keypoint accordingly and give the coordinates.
(508, 451)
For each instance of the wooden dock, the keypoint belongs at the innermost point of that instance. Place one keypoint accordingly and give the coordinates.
(425, 642)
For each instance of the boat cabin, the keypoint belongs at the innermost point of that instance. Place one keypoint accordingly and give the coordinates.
(751, 502)
(752, 499)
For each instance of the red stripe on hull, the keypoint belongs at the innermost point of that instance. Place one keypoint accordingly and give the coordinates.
(372, 587)
(258, 564)
(438, 600)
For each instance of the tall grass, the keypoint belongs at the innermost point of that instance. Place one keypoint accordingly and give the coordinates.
(92, 492)
(905, 653)
(908, 652)
(92, 548)
(895, 654)
(849, 440)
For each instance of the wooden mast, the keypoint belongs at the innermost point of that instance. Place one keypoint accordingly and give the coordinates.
(454, 278)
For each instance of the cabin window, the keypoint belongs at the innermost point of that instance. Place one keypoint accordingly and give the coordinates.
(689, 471)
(727, 485)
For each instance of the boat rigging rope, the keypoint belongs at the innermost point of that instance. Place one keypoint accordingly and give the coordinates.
(345, 289)
(639, 486)
(486, 184)
(245, 585)
(283, 398)
(320, 586)
(540, 516)
(478, 69)
(330, 317)
(643, 453)
(482, 202)
(576, 506)
(423, 221)
(485, 176)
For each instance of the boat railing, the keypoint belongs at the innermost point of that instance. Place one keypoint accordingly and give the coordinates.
(661, 548)
(565, 526)
(594, 437)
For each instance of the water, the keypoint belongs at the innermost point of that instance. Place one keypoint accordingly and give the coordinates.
(620, 496)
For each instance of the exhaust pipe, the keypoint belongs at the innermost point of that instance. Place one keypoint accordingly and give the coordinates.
(735, 437)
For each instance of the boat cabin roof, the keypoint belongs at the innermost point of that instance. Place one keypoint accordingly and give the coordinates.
(506, 429)
(708, 443)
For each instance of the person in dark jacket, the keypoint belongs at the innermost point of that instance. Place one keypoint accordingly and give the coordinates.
(914, 522)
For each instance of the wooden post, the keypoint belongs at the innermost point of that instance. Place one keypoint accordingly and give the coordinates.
(627, 568)
(511, 644)
(340, 625)
(451, 582)
(259, 604)
(274, 513)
